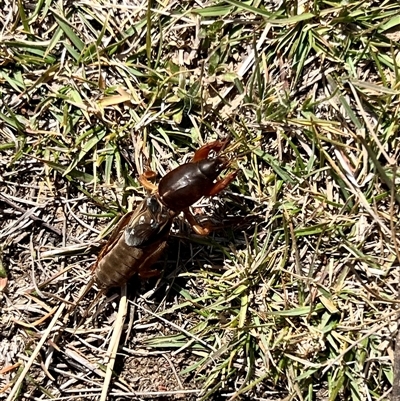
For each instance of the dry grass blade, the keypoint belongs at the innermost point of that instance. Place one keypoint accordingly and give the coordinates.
(21, 378)
(295, 294)
(114, 343)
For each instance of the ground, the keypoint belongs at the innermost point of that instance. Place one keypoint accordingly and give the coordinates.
(293, 295)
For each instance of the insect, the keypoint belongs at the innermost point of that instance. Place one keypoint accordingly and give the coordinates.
(140, 237)
(185, 185)
(135, 244)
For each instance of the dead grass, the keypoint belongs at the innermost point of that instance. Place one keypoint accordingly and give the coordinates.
(295, 297)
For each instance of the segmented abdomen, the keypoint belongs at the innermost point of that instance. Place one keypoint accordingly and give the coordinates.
(123, 261)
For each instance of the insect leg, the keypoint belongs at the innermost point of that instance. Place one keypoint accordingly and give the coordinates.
(197, 228)
(145, 270)
(204, 151)
(145, 178)
(222, 184)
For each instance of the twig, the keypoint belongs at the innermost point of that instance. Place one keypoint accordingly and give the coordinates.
(177, 378)
(35, 354)
(114, 343)
(149, 394)
(32, 216)
(160, 394)
(396, 353)
(182, 330)
(396, 368)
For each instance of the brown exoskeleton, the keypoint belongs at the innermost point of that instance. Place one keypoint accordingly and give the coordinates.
(185, 185)
(139, 239)
(135, 244)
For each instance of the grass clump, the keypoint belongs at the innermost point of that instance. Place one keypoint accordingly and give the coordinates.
(294, 296)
